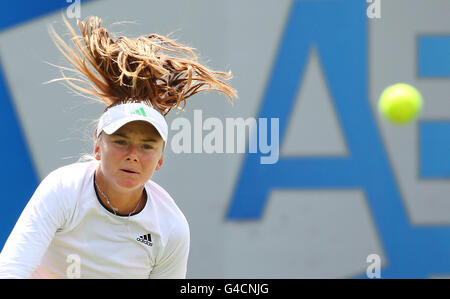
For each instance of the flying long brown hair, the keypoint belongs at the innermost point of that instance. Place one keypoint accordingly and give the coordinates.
(150, 68)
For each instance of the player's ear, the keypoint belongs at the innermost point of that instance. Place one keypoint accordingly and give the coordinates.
(97, 155)
(160, 163)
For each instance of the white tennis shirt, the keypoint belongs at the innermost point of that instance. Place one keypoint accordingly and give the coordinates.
(65, 231)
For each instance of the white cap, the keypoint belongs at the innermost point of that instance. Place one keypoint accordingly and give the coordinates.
(117, 116)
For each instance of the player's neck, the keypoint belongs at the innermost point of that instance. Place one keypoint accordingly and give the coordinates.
(125, 201)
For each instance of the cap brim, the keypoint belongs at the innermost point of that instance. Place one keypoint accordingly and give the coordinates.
(113, 127)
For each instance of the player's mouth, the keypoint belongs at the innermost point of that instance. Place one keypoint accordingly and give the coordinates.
(129, 171)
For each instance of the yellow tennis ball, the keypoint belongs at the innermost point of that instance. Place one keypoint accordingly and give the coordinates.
(400, 103)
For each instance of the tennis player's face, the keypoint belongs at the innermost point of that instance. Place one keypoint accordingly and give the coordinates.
(130, 156)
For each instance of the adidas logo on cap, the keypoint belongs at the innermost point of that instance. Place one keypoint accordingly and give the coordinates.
(146, 239)
(140, 111)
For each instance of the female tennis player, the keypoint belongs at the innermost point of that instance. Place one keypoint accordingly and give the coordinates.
(106, 218)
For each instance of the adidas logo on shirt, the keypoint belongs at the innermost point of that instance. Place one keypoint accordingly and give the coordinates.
(146, 239)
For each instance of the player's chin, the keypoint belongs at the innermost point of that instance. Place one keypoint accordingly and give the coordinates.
(128, 184)
(130, 181)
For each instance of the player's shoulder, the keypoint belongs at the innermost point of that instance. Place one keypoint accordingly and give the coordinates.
(157, 190)
(71, 175)
(164, 202)
(64, 187)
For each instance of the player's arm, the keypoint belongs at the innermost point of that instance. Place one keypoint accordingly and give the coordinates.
(33, 232)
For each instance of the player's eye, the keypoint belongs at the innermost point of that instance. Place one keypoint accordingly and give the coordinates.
(147, 146)
(120, 142)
